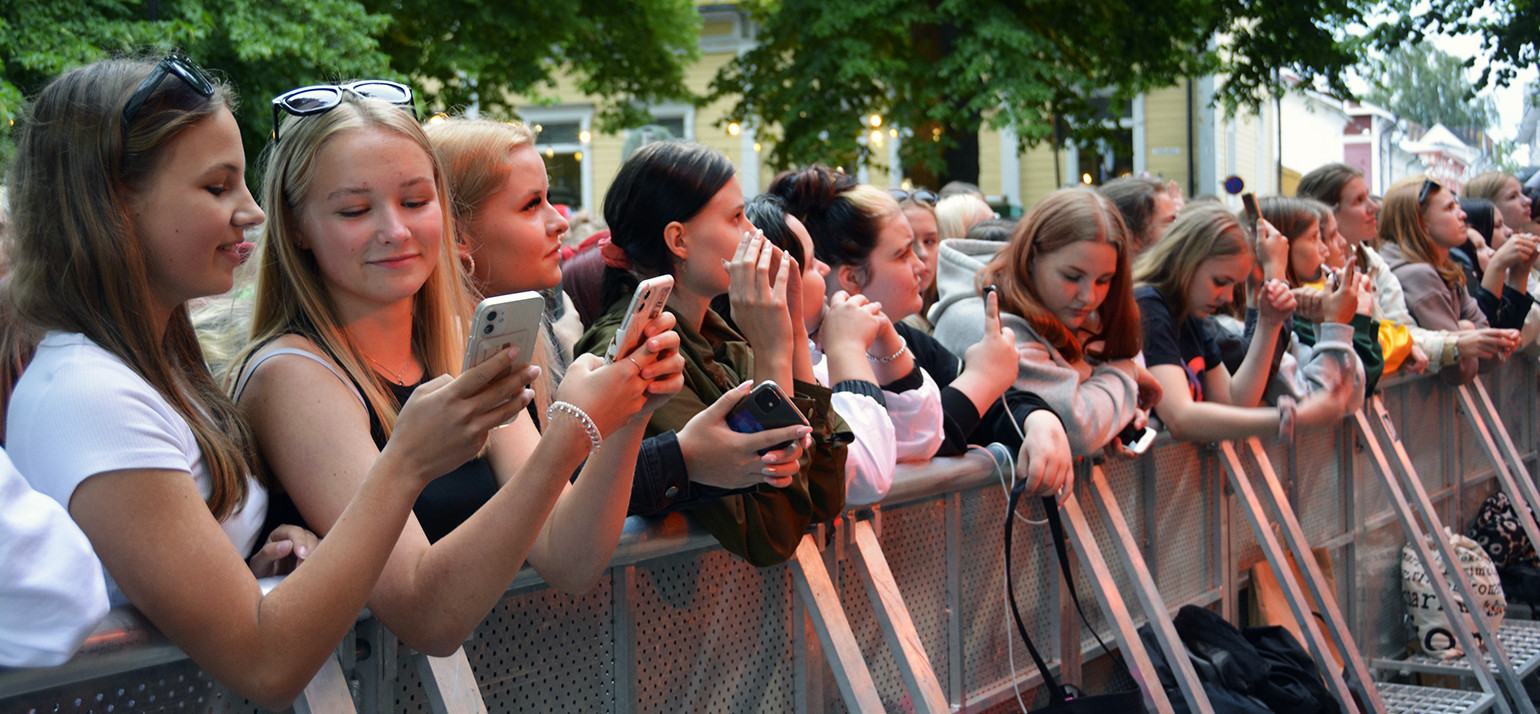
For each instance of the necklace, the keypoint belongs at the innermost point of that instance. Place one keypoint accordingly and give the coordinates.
(397, 379)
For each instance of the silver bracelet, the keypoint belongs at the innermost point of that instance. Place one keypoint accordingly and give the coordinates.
(900, 353)
(595, 440)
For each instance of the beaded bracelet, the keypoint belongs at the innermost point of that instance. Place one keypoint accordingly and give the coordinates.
(594, 438)
(900, 353)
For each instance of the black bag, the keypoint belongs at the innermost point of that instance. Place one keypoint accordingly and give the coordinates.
(1061, 701)
(1224, 701)
(1293, 684)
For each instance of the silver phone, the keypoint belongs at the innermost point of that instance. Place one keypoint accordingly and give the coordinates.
(646, 303)
(504, 322)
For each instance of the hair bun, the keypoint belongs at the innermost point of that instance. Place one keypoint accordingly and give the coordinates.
(812, 190)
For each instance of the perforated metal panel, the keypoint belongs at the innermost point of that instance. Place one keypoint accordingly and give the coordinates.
(913, 544)
(713, 634)
(1125, 483)
(174, 687)
(1320, 491)
(1185, 516)
(1426, 408)
(546, 651)
(985, 655)
(1382, 611)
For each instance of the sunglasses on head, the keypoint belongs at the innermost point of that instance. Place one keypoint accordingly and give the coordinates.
(322, 98)
(922, 196)
(174, 64)
(1428, 186)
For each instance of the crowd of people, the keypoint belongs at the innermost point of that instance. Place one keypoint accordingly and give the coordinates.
(170, 439)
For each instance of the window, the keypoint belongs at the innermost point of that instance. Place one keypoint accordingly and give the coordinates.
(558, 144)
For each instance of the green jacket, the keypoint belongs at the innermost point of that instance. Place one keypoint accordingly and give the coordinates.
(1366, 342)
(763, 526)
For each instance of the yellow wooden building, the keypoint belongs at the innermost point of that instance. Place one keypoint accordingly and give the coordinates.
(1171, 134)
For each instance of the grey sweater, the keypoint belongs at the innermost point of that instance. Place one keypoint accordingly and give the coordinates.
(1095, 401)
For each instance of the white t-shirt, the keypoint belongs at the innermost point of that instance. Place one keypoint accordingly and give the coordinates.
(51, 588)
(79, 411)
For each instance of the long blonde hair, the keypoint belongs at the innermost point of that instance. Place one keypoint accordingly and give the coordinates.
(1403, 223)
(291, 296)
(78, 264)
(1202, 232)
(476, 157)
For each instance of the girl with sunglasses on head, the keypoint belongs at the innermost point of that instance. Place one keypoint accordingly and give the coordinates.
(1187, 276)
(1420, 223)
(676, 209)
(130, 201)
(360, 302)
(919, 206)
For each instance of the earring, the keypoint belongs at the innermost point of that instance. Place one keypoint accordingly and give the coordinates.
(470, 263)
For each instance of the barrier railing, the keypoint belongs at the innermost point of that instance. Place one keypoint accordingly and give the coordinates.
(679, 625)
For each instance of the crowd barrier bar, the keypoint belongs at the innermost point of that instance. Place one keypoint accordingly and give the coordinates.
(1434, 531)
(126, 650)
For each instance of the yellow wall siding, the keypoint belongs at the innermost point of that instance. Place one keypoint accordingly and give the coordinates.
(1165, 127)
(989, 161)
(1037, 174)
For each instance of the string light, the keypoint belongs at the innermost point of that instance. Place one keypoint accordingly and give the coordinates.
(584, 136)
(733, 128)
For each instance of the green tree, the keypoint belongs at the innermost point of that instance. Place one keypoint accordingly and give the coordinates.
(458, 50)
(472, 51)
(1429, 86)
(941, 69)
(1509, 31)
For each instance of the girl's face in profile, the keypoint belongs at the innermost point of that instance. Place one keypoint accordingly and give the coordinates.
(813, 288)
(1357, 214)
(515, 237)
(894, 271)
(1445, 219)
(927, 242)
(1513, 204)
(1307, 253)
(1073, 281)
(193, 215)
(372, 218)
(712, 237)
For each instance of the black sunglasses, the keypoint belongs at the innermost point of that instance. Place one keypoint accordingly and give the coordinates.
(921, 196)
(173, 64)
(322, 98)
(1428, 186)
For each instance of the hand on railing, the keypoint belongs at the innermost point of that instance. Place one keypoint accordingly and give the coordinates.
(1045, 462)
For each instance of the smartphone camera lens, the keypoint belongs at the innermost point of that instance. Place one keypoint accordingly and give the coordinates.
(487, 330)
(492, 315)
(768, 401)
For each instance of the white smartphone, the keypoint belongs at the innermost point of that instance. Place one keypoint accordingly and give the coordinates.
(646, 303)
(504, 322)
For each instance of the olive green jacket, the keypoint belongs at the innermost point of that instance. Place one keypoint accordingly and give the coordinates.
(763, 525)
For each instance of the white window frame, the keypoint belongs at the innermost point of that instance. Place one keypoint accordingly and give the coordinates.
(583, 114)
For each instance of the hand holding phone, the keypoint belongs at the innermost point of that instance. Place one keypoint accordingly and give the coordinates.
(501, 323)
(646, 303)
(766, 407)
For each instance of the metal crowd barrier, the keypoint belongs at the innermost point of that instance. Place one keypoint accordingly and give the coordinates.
(679, 625)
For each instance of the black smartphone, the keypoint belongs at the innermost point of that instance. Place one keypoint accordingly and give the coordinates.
(1254, 214)
(766, 407)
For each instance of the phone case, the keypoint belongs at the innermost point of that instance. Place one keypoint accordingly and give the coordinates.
(765, 408)
(501, 323)
(648, 301)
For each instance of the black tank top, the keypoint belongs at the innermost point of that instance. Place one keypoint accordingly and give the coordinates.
(442, 506)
